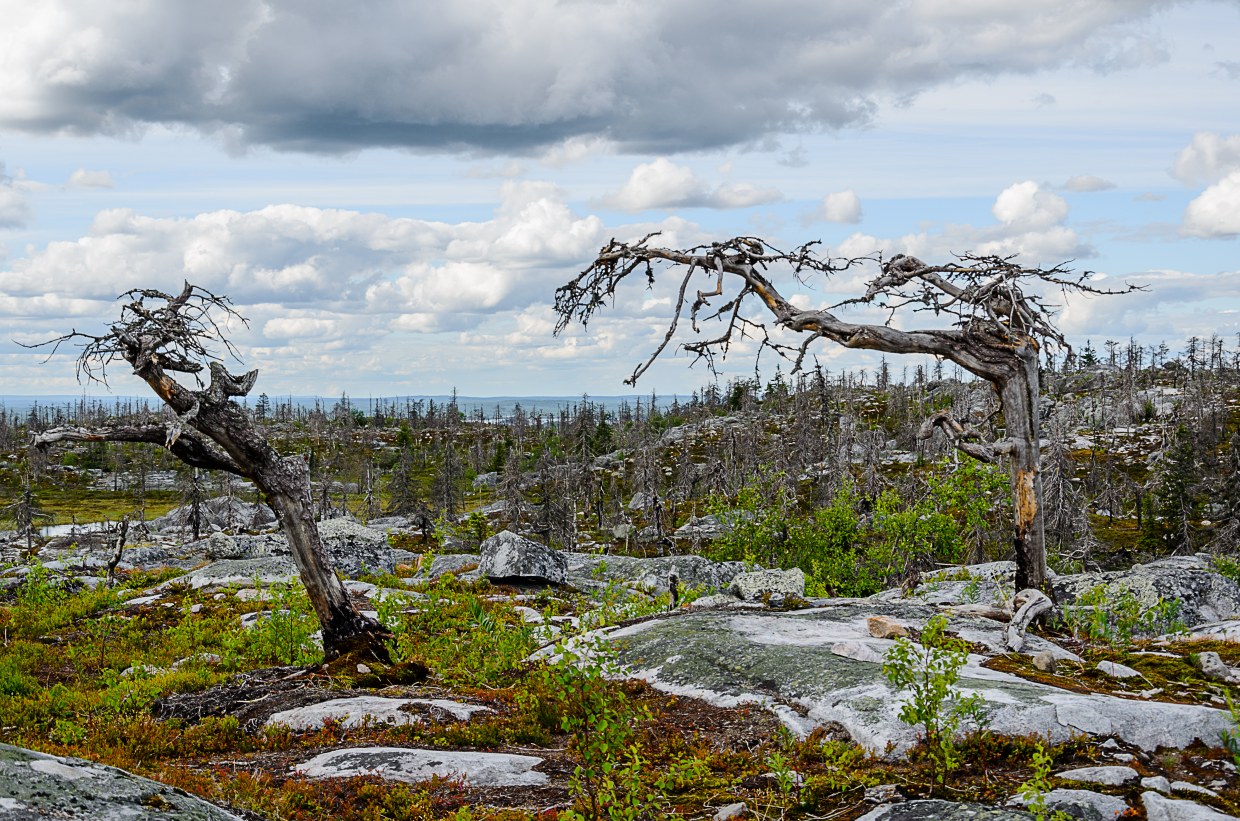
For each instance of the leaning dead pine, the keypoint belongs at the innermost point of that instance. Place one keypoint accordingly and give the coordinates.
(160, 335)
(994, 324)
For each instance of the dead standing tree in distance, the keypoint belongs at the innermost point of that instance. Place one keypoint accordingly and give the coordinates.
(160, 335)
(996, 332)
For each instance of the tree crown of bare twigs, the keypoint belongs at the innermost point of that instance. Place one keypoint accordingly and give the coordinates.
(178, 335)
(983, 295)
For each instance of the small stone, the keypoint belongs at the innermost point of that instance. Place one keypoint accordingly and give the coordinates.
(1116, 670)
(196, 608)
(1112, 776)
(883, 794)
(857, 650)
(730, 811)
(363, 669)
(884, 627)
(1156, 782)
(1044, 661)
(1184, 786)
(1158, 808)
(1213, 667)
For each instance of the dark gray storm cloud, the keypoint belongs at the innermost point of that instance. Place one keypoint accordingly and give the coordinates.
(517, 75)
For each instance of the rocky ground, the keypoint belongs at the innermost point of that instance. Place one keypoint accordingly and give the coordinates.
(744, 696)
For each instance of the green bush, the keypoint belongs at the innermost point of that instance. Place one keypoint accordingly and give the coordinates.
(1113, 617)
(601, 722)
(929, 673)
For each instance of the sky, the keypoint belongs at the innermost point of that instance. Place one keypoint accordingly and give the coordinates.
(390, 191)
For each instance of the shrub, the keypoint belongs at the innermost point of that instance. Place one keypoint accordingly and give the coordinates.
(930, 673)
(1113, 617)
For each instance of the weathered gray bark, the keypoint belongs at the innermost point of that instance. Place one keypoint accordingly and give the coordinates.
(211, 431)
(996, 336)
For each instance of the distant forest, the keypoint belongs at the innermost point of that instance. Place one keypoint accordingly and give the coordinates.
(825, 471)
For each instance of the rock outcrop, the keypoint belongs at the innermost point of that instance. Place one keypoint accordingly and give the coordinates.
(37, 786)
(509, 557)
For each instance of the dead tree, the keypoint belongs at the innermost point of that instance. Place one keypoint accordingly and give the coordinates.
(160, 335)
(992, 328)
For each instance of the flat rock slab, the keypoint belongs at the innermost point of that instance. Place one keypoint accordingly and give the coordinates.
(943, 811)
(1086, 804)
(1108, 776)
(35, 786)
(1158, 808)
(414, 765)
(789, 662)
(355, 712)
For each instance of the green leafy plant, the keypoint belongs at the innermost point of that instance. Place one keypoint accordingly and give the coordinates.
(1034, 789)
(1231, 737)
(929, 673)
(1114, 617)
(284, 634)
(601, 722)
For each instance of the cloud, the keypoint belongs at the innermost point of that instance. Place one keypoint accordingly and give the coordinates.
(501, 76)
(662, 183)
(1086, 183)
(1215, 213)
(301, 256)
(841, 206)
(1172, 305)
(1208, 158)
(1031, 226)
(91, 179)
(1026, 205)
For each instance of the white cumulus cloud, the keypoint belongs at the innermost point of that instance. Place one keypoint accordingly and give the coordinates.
(662, 183)
(1031, 226)
(840, 206)
(1208, 158)
(1215, 213)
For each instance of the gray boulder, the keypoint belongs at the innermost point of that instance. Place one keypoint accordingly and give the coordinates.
(1086, 805)
(459, 564)
(777, 584)
(935, 810)
(36, 786)
(507, 556)
(356, 549)
(414, 766)
(220, 513)
(238, 573)
(701, 529)
(1204, 596)
(591, 571)
(1158, 808)
(222, 546)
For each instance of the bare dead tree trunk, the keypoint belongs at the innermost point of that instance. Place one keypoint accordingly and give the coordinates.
(995, 332)
(209, 430)
(1020, 395)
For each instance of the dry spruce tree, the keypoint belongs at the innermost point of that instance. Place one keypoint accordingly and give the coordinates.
(166, 337)
(991, 321)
